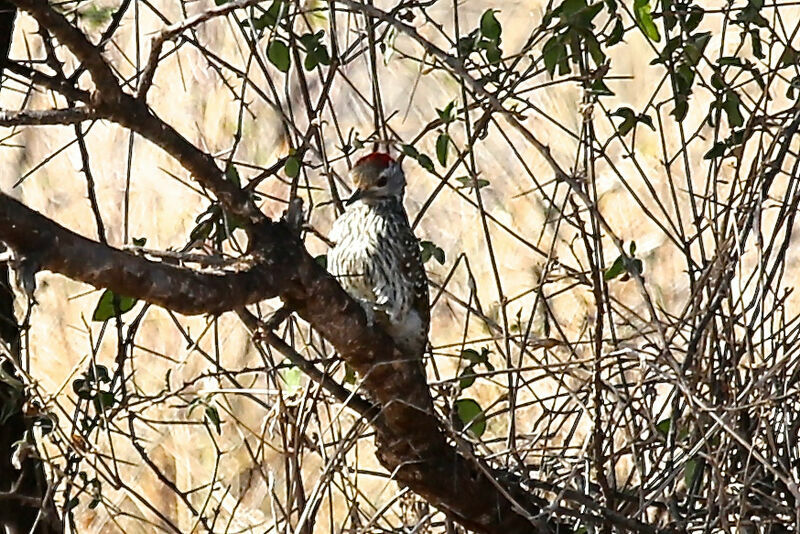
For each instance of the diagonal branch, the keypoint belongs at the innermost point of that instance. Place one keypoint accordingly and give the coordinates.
(172, 31)
(109, 101)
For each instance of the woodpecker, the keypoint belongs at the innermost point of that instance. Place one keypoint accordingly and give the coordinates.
(376, 256)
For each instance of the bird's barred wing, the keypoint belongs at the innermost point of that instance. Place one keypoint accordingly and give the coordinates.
(414, 273)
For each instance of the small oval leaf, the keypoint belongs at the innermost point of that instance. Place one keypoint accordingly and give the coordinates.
(291, 167)
(442, 146)
(105, 306)
(471, 414)
(278, 55)
(467, 377)
(644, 18)
(490, 26)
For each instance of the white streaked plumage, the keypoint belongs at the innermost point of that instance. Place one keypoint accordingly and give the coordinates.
(376, 257)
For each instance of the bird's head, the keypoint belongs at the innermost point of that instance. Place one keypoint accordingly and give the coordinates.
(377, 177)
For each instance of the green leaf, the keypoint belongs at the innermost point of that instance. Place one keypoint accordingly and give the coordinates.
(472, 356)
(663, 425)
(646, 119)
(271, 17)
(201, 231)
(690, 471)
(278, 55)
(429, 250)
(616, 269)
(493, 54)
(322, 260)
(755, 44)
(233, 175)
(446, 114)
(594, 49)
(554, 52)
(139, 241)
(467, 45)
(292, 377)
(322, 55)
(616, 33)
(717, 81)
(716, 151)
(644, 18)
(696, 44)
(82, 389)
(731, 107)
(789, 57)
(696, 14)
(668, 14)
(104, 400)
(490, 26)
(750, 15)
(425, 162)
(730, 60)
(442, 146)
(466, 181)
(467, 377)
(684, 78)
(410, 151)
(681, 108)
(316, 51)
(291, 167)
(471, 414)
(600, 88)
(349, 374)
(105, 306)
(629, 119)
(212, 416)
(310, 62)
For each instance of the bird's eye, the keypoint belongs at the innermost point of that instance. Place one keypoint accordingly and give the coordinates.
(381, 181)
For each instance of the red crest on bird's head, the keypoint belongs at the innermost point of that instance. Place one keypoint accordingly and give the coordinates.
(376, 158)
(377, 176)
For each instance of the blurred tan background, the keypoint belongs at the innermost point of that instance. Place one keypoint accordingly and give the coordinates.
(244, 470)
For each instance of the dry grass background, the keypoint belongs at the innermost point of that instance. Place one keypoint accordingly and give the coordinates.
(276, 432)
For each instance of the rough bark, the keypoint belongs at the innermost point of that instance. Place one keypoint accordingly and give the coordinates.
(42, 244)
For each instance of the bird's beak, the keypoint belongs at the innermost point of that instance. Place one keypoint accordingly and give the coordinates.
(357, 194)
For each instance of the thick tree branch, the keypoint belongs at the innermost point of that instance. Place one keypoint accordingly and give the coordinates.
(411, 443)
(47, 245)
(45, 117)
